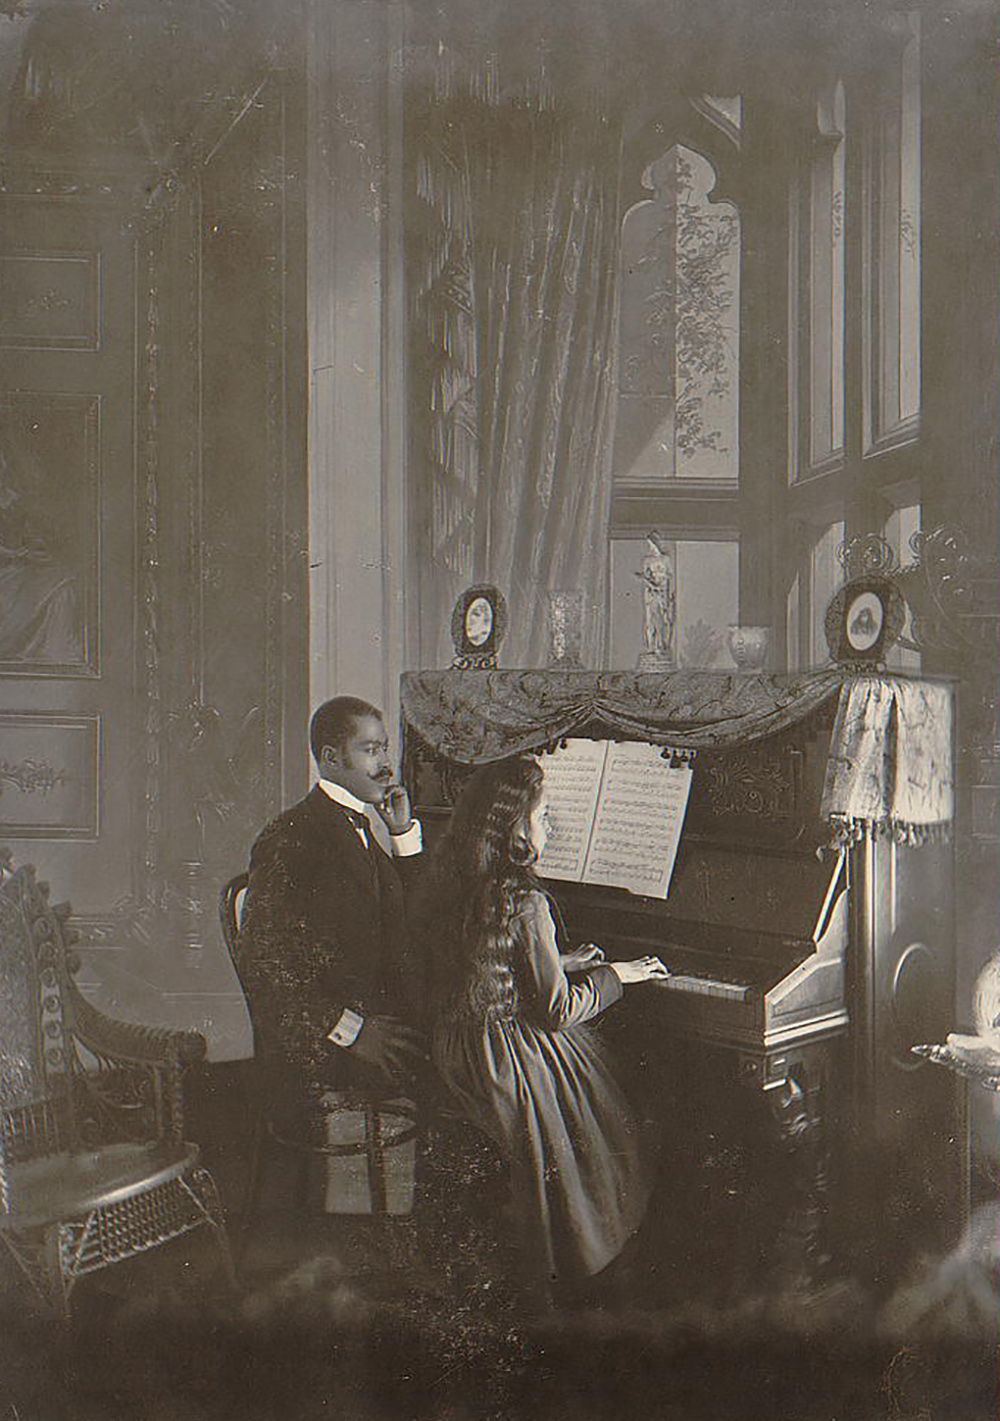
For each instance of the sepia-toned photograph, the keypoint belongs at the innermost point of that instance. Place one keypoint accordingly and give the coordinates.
(499, 683)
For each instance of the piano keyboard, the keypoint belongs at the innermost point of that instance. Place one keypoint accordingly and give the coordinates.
(707, 987)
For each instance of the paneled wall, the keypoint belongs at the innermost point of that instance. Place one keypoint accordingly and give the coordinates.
(153, 623)
(71, 521)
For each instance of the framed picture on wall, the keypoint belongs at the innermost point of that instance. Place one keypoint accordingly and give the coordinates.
(864, 619)
(478, 624)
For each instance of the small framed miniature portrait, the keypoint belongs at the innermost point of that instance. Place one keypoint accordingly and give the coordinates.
(864, 620)
(478, 624)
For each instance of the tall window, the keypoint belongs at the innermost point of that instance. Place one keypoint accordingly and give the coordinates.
(893, 385)
(854, 395)
(676, 452)
(679, 331)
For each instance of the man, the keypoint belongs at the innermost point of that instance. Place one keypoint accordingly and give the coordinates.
(323, 952)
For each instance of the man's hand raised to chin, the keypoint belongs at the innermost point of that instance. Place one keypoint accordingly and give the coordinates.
(394, 810)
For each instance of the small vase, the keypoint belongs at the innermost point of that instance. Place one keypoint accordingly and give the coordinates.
(566, 630)
(748, 647)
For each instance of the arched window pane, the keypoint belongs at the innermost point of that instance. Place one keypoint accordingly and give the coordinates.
(679, 329)
(825, 576)
(793, 624)
(900, 527)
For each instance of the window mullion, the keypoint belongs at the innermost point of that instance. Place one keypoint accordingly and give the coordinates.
(860, 501)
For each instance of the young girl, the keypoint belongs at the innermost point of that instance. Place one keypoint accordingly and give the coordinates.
(509, 1037)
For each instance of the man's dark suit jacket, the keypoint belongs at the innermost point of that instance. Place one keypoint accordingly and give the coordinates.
(323, 928)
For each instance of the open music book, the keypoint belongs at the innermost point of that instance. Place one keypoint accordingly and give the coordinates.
(616, 809)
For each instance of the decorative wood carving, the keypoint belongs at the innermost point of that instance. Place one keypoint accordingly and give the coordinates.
(32, 776)
(758, 785)
(149, 557)
(271, 180)
(50, 299)
(49, 775)
(20, 180)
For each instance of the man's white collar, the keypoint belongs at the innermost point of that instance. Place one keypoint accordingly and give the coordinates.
(343, 796)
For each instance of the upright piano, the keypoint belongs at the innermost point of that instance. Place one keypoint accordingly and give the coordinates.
(804, 963)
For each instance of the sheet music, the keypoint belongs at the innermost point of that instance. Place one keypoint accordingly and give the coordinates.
(572, 784)
(639, 819)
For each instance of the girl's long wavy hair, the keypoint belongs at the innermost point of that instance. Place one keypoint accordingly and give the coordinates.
(483, 869)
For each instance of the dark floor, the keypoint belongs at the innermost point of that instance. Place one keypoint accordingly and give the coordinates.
(420, 1322)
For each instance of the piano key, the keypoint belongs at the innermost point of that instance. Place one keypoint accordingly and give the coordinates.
(708, 987)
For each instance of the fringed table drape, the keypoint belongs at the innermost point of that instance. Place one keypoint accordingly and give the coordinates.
(890, 765)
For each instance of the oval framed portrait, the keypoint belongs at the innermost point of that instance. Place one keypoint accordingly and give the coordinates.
(478, 624)
(864, 619)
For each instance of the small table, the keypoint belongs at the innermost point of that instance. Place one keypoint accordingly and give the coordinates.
(973, 1059)
(968, 1056)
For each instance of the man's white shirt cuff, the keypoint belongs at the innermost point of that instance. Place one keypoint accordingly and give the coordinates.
(409, 843)
(345, 1033)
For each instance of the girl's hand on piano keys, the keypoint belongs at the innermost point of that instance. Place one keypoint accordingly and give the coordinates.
(587, 955)
(643, 969)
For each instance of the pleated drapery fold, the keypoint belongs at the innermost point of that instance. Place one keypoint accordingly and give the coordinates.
(890, 764)
(514, 266)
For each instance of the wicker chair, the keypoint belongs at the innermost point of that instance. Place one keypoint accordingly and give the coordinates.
(384, 1124)
(94, 1168)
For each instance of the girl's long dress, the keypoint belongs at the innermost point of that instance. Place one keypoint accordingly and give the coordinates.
(539, 1085)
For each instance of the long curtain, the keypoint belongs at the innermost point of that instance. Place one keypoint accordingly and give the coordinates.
(514, 275)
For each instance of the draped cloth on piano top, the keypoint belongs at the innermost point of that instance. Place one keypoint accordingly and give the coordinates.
(890, 765)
